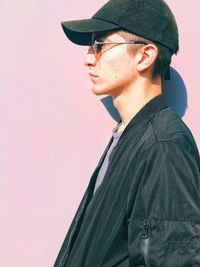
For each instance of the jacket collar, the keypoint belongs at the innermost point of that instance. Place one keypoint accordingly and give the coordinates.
(146, 112)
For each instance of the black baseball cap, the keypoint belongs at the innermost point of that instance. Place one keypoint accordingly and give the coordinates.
(151, 19)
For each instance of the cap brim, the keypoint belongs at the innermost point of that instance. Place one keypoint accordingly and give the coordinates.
(80, 31)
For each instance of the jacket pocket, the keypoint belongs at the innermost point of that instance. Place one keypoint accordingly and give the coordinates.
(182, 253)
(176, 243)
(164, 243)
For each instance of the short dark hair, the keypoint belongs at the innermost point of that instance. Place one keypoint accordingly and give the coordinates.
(163, 59)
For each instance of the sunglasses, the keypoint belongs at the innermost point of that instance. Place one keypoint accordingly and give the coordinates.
(101, 47)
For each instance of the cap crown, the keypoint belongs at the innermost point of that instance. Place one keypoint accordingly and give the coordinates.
(151, 19)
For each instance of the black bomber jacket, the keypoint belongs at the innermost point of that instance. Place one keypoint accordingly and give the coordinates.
(146, 212)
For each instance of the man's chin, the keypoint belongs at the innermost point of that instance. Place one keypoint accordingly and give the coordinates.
(99, 91)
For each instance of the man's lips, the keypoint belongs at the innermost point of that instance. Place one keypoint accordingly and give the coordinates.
(92, 74)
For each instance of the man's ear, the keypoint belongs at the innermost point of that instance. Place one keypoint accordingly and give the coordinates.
(146, 57)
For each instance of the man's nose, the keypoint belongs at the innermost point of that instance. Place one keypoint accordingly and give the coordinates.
(90, 58)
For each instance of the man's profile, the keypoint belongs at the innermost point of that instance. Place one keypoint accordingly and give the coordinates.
(142, 204)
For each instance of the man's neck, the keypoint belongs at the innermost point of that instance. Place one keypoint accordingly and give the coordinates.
(132, 100)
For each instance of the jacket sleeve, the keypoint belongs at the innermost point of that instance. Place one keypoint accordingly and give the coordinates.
(164, 227)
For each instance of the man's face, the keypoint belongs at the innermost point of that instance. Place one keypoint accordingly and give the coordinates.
(113, 70)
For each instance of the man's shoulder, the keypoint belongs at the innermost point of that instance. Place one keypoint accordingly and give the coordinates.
(167, 126)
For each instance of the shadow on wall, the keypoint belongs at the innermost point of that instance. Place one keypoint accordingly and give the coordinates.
(174, 93)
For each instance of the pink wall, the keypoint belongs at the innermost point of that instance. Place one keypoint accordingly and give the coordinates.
(52, 128)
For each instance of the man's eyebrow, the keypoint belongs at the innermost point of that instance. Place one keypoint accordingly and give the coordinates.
(99, 37)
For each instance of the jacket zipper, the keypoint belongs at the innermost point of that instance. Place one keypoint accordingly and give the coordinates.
(146, 243)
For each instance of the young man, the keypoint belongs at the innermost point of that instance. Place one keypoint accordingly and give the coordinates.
(142, 205)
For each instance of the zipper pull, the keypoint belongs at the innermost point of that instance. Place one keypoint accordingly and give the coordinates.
(146, 244)
(146, 231)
